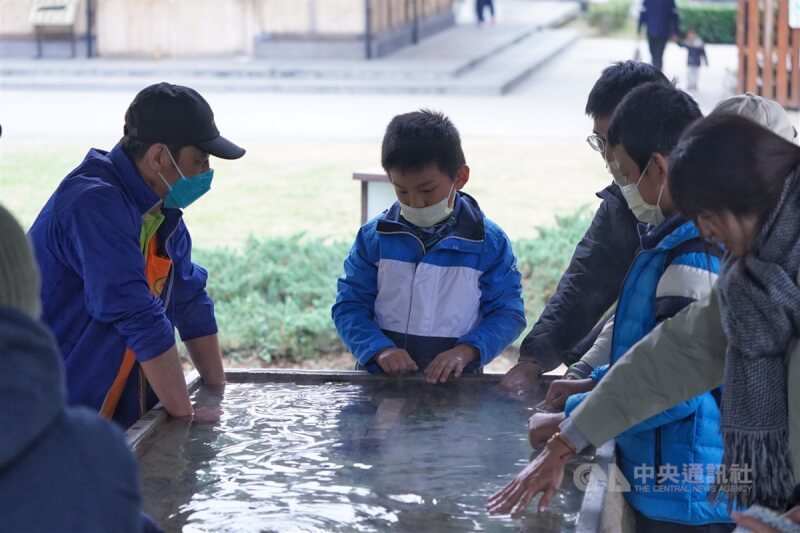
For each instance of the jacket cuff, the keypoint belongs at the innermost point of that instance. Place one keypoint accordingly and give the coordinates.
(570, 431)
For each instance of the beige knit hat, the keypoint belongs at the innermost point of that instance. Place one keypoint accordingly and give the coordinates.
(19, 275)
(768, 113)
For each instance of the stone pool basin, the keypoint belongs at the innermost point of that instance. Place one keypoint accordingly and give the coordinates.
(348, 451)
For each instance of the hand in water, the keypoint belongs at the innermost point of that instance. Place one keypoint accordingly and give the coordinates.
(206, 415)
(544, 474)
(757, 526)
(542, 426)
(452, 362)
(395, 361)
(523, 376)
(560, 390)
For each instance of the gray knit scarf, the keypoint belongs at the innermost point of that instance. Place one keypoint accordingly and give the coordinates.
(760, 308)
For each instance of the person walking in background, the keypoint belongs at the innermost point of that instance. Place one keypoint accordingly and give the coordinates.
(696, 50)
(480, 6)
(663, 22)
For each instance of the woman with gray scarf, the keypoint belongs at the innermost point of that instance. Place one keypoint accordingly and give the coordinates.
(741, 184)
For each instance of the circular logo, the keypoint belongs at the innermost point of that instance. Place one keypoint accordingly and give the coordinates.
(582, 475)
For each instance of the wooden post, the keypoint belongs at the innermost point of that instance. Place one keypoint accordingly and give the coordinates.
(741, 44)
(781, 76)
(753, 40)
(768, 64)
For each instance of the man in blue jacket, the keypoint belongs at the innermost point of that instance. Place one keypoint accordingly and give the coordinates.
(115, 256)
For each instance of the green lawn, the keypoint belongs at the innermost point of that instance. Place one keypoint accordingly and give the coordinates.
(281, 189)
(273, 297)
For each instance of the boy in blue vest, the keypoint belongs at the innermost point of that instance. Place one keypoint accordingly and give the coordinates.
(431, 284)
(670, 459)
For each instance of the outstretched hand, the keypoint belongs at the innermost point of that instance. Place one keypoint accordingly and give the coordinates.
(544, 474)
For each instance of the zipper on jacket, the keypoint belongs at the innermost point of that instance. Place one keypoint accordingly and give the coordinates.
(171, 275)
(410, 306)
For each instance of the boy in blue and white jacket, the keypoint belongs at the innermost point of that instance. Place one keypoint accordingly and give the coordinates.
(431, 284)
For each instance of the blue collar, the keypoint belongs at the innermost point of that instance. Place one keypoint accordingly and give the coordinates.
(142, 195)
(661, 236)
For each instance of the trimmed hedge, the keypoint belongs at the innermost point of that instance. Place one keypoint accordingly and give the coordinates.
(608, 16)
(714, 22)
(273, 299)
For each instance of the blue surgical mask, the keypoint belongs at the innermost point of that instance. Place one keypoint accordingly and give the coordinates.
(186, 190)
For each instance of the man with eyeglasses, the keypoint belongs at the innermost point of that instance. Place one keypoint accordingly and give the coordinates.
(574, 315)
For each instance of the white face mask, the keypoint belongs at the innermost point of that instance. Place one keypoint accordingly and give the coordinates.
(616, 172)
(644, 212)
(425, 217)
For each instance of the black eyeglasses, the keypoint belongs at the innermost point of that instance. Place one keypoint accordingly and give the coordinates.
(597, 143)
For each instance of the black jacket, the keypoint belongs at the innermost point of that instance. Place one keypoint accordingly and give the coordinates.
(588, 288)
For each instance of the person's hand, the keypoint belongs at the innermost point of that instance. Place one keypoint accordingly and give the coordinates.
(544, 474)
(757, 526)
(521, 377)
(560, 390)
(542, 426)
(206, 415)
(395, 361)
(452, 361)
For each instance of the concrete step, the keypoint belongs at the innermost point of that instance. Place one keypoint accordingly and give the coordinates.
(496, 75)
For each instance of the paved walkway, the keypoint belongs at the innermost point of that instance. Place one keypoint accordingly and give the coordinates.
(508, 51)
(550, 104)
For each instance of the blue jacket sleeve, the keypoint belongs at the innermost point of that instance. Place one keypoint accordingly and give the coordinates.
(598, 373)
(642, 17)
(103, 249)
(574, 401)
(194, 309)
(501, 301)
(354, 310)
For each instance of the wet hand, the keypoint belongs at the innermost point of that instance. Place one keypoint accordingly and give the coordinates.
(452, 361)
(542, 426)
(521, 377)
(544, 474)
(395, 361)
(560, 390)
(207, 415)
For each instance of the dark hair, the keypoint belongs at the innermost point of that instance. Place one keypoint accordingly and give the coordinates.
(617, 81)
(727, 162)
(136, 149)
(651, 120)
(416, 140)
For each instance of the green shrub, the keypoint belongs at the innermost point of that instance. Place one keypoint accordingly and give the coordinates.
(608, 16)
(273, 299)
(715, 23)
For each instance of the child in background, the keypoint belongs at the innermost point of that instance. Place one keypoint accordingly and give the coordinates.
(696, 54)
(431, 284)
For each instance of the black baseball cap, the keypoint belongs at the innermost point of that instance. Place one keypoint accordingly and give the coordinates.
(173, 114)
